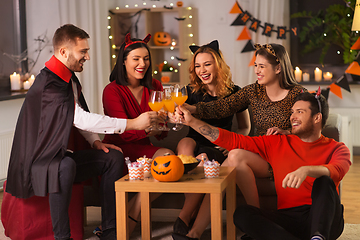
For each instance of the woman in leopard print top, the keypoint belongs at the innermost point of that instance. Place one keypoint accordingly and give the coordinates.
(270, 99)
(265, 112)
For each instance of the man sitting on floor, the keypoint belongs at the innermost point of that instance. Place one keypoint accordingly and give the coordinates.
(308, 168)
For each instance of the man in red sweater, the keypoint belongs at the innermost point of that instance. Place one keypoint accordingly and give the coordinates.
(308, 168)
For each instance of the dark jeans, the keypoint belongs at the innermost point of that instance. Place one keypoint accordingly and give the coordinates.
(324, 217)
(80, 166)
(211, 152)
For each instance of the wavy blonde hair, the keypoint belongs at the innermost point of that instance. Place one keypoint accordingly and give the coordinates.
(224, 83)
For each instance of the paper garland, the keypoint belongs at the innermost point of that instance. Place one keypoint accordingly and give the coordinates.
(245, 17)
(336, 86)
(351, 73)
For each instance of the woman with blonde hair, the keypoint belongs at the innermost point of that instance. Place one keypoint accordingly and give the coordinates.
(210, 79)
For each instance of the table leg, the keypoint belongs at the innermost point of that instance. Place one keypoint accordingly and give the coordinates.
(122, 215)
(216, 216)
(145, 216)
(230, 209)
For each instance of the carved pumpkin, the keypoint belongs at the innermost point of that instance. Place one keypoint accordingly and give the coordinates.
(167, 168)
(162, 39)
(179, 3)
(165, 79)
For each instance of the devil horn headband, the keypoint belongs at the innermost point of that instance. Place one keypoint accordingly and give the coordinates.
(129, 42)
(214, 45)
(317, 96)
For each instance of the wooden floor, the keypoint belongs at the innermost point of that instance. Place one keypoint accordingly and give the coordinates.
(350, 194)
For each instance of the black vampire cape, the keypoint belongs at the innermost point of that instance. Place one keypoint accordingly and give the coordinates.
(42, 135)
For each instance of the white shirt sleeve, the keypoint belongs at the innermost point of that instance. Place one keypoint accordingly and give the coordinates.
(96, 123)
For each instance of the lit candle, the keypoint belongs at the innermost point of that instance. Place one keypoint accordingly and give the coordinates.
(27, 85)
(31, 80)
(15, 81)
(306, 77)
(298, 73)
(318, 74)
(328, 76)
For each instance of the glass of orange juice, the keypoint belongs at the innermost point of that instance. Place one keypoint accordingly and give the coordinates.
(169, 105)
(179, 96)
(156, 103)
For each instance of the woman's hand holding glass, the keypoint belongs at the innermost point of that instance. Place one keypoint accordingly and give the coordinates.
(179, 96)
(156, 104)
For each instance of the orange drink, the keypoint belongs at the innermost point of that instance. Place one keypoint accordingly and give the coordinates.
(169, 105)
(180, 100)
(156, 106)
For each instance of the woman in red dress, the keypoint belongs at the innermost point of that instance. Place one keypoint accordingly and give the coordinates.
(127, 96)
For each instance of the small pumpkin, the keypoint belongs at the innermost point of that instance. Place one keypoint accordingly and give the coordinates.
(167, 168)
(162, 39)
(179, 3)
(165, 79)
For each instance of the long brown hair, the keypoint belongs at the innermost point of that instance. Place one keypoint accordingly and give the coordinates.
(287, 78)
(224, 84)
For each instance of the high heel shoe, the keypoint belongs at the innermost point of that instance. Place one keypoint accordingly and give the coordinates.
(177, 236)
(180, 227)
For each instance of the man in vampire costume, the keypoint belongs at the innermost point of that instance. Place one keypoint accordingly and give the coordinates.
(40, 162)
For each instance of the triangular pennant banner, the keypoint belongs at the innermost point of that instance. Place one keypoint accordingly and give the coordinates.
(236, 8)
(335, 89)
(356, 45)
(325, 93)
(352, 77)
(244, 35)
(354, 68)
(343, 83)
(249, 47)
(238, 21)
(252, 62)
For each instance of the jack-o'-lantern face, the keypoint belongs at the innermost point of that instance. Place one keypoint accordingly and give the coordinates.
(162, 39)
(167, 168)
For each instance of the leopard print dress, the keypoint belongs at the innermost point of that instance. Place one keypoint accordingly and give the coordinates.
(265, 113)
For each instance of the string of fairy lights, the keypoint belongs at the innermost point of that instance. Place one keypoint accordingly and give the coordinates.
(189, 32)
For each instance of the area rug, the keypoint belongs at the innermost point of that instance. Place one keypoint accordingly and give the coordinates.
(162, 231)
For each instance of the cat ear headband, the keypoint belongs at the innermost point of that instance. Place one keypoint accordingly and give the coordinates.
(268, 48)
(129, 42)
(214, 45)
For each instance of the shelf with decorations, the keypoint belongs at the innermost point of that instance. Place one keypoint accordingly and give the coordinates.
(173, 30)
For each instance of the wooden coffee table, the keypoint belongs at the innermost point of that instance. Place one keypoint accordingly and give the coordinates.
(189, 183)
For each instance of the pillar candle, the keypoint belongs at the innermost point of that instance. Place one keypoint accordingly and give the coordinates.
(31, 80)
(306, 77)
(298, 73)
(27, 85)
(328, 76)
(318, 74)
(15, 81)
